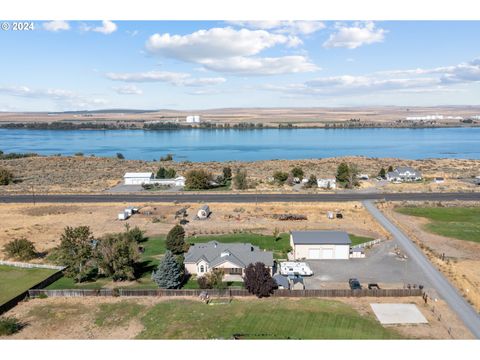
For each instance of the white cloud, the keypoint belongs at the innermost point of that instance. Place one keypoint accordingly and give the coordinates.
(215, 43)
(63, 97)
(355, 36)
(128, 90)
(107, 27)
(56, 25)
(261, 66)
(173, 78)
(299, 27)
(227, 50)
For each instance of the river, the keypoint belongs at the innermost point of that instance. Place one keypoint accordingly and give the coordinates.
(248, 145)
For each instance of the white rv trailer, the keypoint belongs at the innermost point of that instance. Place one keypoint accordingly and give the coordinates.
(295, 268)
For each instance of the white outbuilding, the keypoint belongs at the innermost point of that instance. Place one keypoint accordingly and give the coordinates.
(134, 178)
(193, 119)
(320, 244)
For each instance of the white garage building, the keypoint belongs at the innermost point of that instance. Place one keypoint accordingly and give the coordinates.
(319, 244)
(134, 178)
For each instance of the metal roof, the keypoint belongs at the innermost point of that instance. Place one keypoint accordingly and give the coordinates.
(138, 175)
(321, 237)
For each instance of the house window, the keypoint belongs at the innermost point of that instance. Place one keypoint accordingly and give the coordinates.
(202, 269)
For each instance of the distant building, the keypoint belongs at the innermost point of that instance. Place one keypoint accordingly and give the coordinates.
(134, 178)
(404, 173)
(326, 183)
(131, 178)
(427, 117)
(193, 119)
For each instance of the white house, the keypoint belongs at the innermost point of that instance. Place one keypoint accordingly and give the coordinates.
(193, 119)
(134, 178)
(404, 173)
(327, 183)
(320, 244)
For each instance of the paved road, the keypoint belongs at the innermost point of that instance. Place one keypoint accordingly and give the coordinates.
(239, 198)
(453, 298)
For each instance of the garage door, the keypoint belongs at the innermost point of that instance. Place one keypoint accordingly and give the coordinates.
(327, 253)
(314, 254)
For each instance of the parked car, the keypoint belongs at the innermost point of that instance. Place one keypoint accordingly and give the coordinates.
(354, 284)
(373, 286)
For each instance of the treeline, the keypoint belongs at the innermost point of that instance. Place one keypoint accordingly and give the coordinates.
(9, 156)
(68, 126)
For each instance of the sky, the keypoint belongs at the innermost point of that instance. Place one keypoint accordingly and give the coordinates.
(185, 65)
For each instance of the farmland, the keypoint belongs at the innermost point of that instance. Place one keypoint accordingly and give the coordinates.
(455, 222)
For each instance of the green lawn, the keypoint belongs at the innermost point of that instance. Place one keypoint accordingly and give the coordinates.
(359, 239)
(459, 223)
(260, 319)
(14, 280)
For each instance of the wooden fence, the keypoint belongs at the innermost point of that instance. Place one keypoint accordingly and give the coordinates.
(224, 293)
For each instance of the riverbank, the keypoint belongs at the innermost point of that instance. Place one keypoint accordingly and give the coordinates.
(82, 174)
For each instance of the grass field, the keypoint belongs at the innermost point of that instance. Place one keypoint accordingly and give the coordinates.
(14, 280)
(459, 223)
(260, 319)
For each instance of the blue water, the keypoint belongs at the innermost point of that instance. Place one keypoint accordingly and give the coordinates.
(260, 144)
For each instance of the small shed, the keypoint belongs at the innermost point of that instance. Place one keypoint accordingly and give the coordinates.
(296, 283)
(204, 212)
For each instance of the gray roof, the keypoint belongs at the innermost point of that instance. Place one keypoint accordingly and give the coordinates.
(321, 237)
(241, 254)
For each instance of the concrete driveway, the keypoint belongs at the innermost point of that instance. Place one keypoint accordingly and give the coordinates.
(381, 265)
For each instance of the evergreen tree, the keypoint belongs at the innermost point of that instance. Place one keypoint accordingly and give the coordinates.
(258, 280)
(170, 272)
(382, 173)
(390, 168)
(161, 173)
(176, 240)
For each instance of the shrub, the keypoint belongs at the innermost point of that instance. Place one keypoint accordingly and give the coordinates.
(135, 234)
(168, 157)
(227, 173)
(120, 156)
(240, 179)
(297, 172)
(197, 180)
(280, 177)
(6, 176)
(212, 280)
(21, 249)
(78, 154)
(9, 325)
